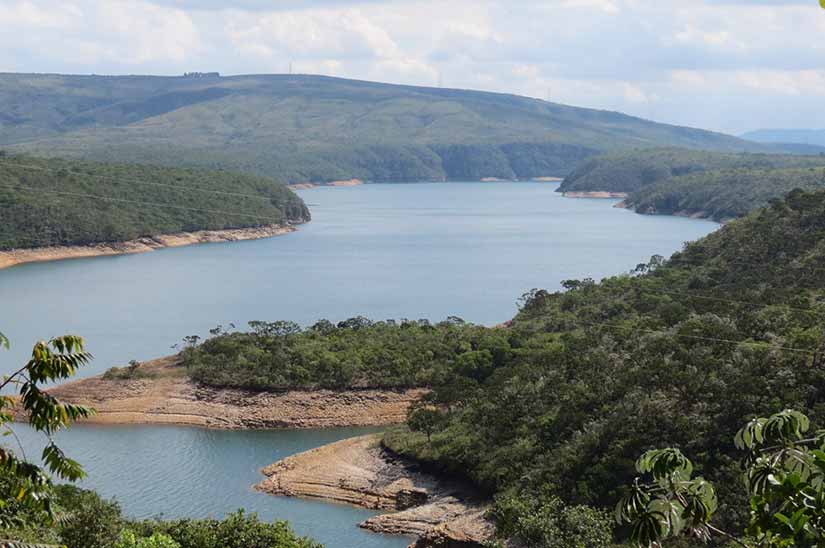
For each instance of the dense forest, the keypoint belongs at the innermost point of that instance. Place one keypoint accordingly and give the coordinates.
(723, 194)
(299, 128)
(45, 202)
(550, 412)
(705, 184)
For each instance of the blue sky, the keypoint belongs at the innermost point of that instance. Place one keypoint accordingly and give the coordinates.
(728, 65)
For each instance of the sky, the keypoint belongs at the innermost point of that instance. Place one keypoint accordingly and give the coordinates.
(726, 65)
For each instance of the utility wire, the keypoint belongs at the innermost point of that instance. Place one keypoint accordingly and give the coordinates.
(697, 337)
(731, 301)
(155, 204)
(136, 181)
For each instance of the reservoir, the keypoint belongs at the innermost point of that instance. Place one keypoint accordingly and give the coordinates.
(381, 251)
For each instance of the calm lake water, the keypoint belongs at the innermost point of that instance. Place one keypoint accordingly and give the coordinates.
(382, 251)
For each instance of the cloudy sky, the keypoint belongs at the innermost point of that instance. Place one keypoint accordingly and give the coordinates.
(729, 65)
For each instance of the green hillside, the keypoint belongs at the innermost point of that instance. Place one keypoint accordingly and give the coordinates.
(313, 128)
(692, 182)
(45, 202)
(723, 194)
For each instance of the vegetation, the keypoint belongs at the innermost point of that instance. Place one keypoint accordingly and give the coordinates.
(724, 194)
(706, 184)
(355, 352)
(26, 487)
(70, 202)
(311, 128)
(639, 169)
(785, 479)
(550, 413)
(88, 521)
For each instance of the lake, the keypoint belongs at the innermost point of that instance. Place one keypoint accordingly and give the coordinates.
(382, 251)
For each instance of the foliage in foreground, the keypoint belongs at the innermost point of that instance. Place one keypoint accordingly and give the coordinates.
(784, 476)
(88, 521)
(26, 488)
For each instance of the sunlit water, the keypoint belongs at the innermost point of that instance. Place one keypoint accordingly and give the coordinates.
(382, 251)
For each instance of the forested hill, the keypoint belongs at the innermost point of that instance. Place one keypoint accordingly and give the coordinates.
(45, 202)
(707, 184)
(550, 412)
(314, 128)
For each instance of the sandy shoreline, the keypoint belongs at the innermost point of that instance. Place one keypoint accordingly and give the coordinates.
(163, 394)
(359, 471)
(141, 245)
(595, 194)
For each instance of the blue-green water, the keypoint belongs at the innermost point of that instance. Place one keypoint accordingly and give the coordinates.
(174, 471)
(383, 251)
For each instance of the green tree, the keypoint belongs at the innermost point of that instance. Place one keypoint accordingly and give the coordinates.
(158, 540)
(87, 520)
(27, 487)
(784, 473)
(424, 419)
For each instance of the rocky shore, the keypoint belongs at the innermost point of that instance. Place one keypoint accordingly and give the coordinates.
(141, 245)
(159, 392)
(360, 471)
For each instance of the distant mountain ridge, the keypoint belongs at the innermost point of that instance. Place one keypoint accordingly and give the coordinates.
(313, 128)
(814, 137)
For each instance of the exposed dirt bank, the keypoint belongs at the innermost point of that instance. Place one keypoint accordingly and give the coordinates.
(361, 472)
(595, 194)
(141, 245)
(161, 393)
(548, 179)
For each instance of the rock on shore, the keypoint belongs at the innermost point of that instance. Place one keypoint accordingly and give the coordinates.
(162, 394)
(361, 472)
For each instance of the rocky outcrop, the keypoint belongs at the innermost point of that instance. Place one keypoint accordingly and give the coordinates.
(161, 393)
(141, 245)
(361, 472)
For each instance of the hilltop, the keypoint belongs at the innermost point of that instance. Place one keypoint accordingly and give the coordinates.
(803, 137)
(55, 202)
(301, 128)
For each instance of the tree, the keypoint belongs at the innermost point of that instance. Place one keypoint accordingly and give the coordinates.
(784, 472)
(424, 419)
(158, 540)
(27, 487)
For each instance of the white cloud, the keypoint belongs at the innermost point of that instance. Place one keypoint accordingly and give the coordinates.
(723, 64)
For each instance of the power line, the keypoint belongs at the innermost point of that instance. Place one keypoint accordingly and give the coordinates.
(698, 337)
(137, 181)
(156, 204)
(720, 299)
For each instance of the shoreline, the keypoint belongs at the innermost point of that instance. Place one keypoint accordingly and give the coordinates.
(162, 393)
(361, 472)
(15, 257)
(601, 194)
(357, 182)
